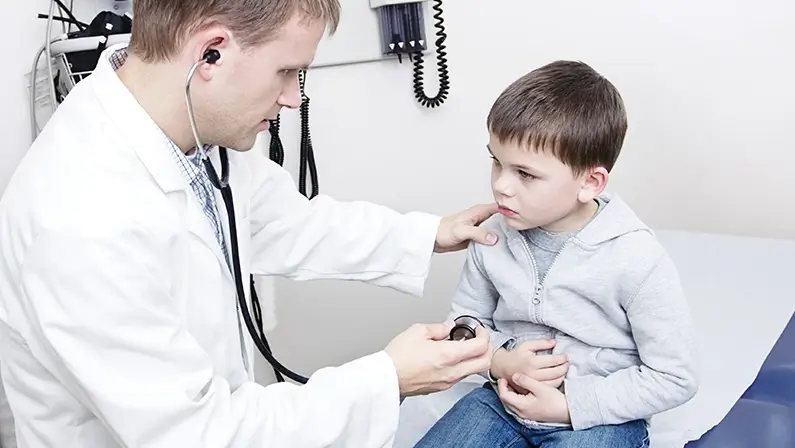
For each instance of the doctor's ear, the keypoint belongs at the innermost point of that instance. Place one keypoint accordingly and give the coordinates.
(211, 45)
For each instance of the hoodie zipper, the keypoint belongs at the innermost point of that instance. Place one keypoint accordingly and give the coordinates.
(536, 300)
(535, 311)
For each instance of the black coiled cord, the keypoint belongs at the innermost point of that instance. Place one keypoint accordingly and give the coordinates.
(307, 152)
(307, 162)
(441, 58)
(276, 148)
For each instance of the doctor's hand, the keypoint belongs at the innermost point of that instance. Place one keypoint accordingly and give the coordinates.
(426, 362)
(456, 231)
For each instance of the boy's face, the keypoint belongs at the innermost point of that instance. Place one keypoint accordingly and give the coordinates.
(535, 189)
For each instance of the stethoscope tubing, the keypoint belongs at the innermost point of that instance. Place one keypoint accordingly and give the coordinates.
(222, 184)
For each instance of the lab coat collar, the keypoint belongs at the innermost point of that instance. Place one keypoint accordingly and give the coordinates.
(136, 127)
(139, 132)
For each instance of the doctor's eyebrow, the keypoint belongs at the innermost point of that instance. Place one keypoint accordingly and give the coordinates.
(298, 66)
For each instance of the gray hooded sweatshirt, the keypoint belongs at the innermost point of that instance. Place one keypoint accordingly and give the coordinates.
(612, 300)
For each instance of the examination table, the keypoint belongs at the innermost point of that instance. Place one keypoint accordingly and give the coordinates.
(764, 417)
(742, 295)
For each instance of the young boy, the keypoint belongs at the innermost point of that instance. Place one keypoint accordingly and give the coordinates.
(575, 271)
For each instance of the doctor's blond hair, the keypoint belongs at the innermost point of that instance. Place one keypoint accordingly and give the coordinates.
(161, 26)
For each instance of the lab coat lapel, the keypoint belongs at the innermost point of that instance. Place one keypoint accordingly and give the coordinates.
(199, 225)
(130, 123)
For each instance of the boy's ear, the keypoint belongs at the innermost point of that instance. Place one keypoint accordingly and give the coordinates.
(594, 183)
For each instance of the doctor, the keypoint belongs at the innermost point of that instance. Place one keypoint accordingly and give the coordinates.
(118, 324)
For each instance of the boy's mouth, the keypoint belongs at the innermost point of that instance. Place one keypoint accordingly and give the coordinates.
(506, 211)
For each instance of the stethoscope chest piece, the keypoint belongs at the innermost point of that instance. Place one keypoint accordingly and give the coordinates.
(465, 328)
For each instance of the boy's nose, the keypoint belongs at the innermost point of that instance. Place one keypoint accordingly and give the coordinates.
(502, 187)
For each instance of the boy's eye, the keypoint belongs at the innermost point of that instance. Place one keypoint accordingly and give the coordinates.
(495, 160)
(525, 175)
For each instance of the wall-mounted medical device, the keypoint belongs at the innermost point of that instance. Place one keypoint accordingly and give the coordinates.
(402, 26)
(307, 165)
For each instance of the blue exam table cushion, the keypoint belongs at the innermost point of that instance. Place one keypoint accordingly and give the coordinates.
(764, 417)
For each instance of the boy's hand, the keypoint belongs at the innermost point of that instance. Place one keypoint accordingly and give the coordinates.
(543, 403)
(549, 369)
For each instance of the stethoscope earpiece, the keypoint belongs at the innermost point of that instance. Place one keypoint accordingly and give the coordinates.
(465, 328)
(212, 56)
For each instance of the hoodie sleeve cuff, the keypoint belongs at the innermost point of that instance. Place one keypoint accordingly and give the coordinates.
(501, 340)
(498, 341)
(582, 400)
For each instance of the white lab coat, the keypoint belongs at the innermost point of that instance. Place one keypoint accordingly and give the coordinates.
(118, 324)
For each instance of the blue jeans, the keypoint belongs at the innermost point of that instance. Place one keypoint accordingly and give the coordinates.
(480, 420)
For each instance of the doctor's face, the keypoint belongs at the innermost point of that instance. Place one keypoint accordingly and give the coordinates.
(260, 81)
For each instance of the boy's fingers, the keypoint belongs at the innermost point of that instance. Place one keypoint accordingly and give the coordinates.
(538, 345)
(528, 383)
(547, 361)
(554, 383)
(551, 373)
(508, 396)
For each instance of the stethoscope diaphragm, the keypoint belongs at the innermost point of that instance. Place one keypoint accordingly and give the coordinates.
(465, 328)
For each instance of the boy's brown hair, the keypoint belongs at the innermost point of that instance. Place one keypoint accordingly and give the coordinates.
(160, 26)
(564, 107)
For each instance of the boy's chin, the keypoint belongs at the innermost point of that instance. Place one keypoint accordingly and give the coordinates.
(519, 224)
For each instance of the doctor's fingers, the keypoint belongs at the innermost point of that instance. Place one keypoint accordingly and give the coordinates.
(438, 332)
(468, 232)
(476, 349)
(475, 215)
(453, 373)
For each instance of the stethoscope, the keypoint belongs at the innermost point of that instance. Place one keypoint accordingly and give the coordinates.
(222, 183)
(464, 326)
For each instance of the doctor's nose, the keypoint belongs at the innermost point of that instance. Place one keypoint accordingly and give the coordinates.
(291, 94)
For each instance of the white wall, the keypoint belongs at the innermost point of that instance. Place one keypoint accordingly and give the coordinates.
(709, 91)
(23, 34)
(708, 86)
